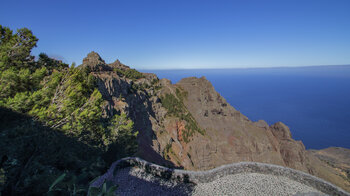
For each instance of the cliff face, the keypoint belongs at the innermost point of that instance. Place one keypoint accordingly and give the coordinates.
(232, 137)
(190, 125)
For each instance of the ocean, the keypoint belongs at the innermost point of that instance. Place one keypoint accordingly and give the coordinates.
(313, 101)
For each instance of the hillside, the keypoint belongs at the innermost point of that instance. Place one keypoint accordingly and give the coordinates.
(189, 125)
(336, 157)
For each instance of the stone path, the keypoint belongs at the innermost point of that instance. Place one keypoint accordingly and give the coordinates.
(135, 176)
(134, 181)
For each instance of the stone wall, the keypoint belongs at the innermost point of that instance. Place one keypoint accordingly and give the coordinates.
(210, 175)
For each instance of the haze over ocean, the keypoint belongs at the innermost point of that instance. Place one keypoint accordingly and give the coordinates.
(312, 101)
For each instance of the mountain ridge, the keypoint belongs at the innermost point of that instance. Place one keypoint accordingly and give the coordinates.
(189, 125)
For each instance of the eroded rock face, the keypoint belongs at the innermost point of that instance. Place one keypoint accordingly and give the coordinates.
(281, 131)
(293, 152)
(231, 136)
(228, 137)
(136, 98)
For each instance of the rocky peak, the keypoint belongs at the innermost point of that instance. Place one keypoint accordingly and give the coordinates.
(262, 124)
(118, 65)
(281, 131)
(94, 61)
(164, 82)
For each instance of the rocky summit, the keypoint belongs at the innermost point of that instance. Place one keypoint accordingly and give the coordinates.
(191, 126)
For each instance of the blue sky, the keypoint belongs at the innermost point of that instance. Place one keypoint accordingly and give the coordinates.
(164, 34)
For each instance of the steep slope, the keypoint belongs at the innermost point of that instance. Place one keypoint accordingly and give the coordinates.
(336, 158)
(232, 137)
(189, 125)
(128, 91)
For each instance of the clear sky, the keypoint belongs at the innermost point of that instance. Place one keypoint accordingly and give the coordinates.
(165, 34)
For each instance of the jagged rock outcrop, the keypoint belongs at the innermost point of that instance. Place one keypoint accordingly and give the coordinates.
(118, 65)
(94, 62)
(135, 97)
(191, 126)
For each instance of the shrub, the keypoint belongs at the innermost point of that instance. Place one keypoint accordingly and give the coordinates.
(129, 73)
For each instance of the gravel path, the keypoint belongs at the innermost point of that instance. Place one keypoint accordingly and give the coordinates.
(134, 181)
(252, 184)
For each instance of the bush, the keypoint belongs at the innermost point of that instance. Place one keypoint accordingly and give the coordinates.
(129, 73)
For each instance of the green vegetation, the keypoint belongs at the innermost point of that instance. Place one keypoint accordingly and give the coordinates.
(129, 73)
(141, 87)
(16, 48)
(34, 155)
(107, 188)
(181, 94)
(169, 151)
(176, 108)
(154, 82)
(51, 123)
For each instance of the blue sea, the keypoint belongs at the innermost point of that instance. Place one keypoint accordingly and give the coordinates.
(313, 101)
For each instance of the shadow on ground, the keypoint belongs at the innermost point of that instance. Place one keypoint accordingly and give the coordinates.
(129, 184)
(32, 156)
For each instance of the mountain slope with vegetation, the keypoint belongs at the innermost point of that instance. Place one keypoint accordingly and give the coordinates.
(58, 119)
(52, 122)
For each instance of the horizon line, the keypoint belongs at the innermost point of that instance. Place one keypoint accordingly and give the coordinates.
(268, 67)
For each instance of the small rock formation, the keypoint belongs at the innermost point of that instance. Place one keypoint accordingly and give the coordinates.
(118, 65)
(94, 62)
(206, 131)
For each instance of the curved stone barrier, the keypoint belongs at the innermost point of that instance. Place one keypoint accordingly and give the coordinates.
(210, 175)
